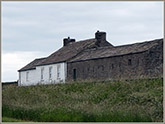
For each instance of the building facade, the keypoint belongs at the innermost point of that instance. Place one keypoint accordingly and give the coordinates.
(53, 69)
(95, 59)
(47, 74)
(141, 60)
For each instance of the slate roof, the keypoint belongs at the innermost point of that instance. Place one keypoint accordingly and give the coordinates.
(32, 65)
(78, 51)
(105, 52)
(63, 54)
(69, 51)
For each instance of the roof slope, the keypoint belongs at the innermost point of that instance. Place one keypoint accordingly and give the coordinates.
(68, 51)
(64, 54)
(115, 51)
(32, 65)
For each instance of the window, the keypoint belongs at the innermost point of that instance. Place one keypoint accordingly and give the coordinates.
(42, 73)
(101, 67)
(27, 76)
(119, 64)
(50, 72)
(112, 66)
(93, 69)
(88, 69)
(83, 70)
(137, 62)
(58, 71)
(129, 62)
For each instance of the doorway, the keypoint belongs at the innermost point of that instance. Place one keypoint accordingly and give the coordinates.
(74, 74)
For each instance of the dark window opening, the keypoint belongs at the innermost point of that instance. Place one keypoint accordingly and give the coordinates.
(129, 62)
(151, 53)
(101, 67)
(138, 62)
(83, 70)
(119, 64)
(112, 66)
(93, 69)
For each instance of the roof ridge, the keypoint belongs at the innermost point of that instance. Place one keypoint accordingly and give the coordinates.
(141, 42)
(107, 51)
(83, 47)
(40, 58)
(85, 40)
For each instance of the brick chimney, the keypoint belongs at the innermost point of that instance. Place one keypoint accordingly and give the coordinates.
(67, 41)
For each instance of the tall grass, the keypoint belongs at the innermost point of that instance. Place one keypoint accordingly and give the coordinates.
(6, 119)
(109, 101)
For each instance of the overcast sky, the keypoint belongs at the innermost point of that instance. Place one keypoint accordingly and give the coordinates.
(36, 29)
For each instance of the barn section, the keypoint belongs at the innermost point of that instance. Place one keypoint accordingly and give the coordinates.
(137, 60)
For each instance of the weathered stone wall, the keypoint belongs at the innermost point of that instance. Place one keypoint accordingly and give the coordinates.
(138, 65)
(154, 61)
(127, 66)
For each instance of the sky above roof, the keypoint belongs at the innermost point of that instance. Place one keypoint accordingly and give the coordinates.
(36, 29)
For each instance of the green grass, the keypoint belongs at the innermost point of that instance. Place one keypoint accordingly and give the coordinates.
(6, 119)
(109, 101)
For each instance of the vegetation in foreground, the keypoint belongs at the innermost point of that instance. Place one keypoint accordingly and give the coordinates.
(6, 119)
(110, 101)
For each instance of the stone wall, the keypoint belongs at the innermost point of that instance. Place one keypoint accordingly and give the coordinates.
(131, 66)
(127, 66)
(7, 84)
(154, 61)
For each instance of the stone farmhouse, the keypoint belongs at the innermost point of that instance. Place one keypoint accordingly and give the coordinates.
(95, 59)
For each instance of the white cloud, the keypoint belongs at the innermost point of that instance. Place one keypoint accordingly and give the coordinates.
(11, 62)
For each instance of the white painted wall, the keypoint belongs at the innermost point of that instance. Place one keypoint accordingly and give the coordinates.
(31, 78)
(35, 75)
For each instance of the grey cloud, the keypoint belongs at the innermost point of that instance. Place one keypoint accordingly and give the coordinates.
(42, 24)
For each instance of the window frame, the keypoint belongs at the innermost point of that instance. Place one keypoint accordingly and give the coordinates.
(27, 76)
(42, 73)
(50, 73)
(58, 71)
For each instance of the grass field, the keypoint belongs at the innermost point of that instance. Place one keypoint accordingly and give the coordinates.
(109, 101)
(7, 119)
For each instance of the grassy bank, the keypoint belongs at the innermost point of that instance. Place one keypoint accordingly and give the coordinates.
(110, 101)
(7, 119)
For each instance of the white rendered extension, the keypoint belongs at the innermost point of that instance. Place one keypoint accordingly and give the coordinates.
(46, 74)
